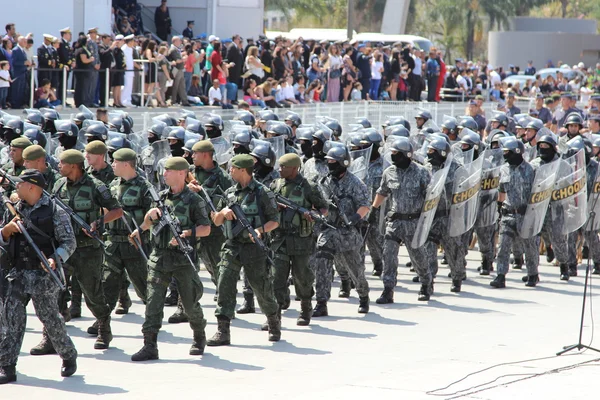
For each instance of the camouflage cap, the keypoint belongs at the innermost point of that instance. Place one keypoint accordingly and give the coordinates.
(96, 147)
(34, 152)
(290, 160)
(21, 143)
(243, 161)
(177, 164)
(72, 157)
(203, 146)
(125, 154)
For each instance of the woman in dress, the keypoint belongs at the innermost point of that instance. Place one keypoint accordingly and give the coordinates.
(334, 74)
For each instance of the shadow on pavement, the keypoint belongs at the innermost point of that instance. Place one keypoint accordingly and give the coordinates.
(74, 384)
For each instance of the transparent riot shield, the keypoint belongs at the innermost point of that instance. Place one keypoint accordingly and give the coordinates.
(541, 191)
(569, 197)
(360, 162)
(435, 191)
(223, 152)
(465, 198)
(490, 182)
(86, 112)
(278, 146)
(593, 209)
(139, 141)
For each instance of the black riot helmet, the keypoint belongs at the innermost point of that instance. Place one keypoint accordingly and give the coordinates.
(50, 115)
(120, 124)
(167, 119)
(213, 124)
(438, 150)
(265, 159)
(574, 118)
(470, 140)
(364, 122)
(177, 135)
(267, 115)
(96, 132)
(535, 124)
(293, 119)
(279, 129)
(468, 122)
(402, 152)
(117, 143)
(547, 148)
(450, 125)
(397, 130)
(501, 119)
(35, 136)
(156, 131)
(339, 154)
(35, 118)
(496, 137)
(246, 117)
(513, 150)
(13, 129)
(335, 127)
(575, 145)
(68, 133)
(196, 127)
(241, 143)
(392, 121)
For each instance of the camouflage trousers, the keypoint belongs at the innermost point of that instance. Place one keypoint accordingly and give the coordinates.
(454, 247)
(164, 265)
(122, 259)
(374, 241)
(552, 235)
(234, 256)
(343, 247)
(591, 240)
(41, 289)
(210, 253)
(508, 235)
(86, 264)
(403, 231)
(298, 265)
(485, 241)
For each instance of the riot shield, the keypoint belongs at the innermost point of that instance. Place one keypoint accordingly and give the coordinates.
(569, 197)
(278, 146)
(490, 181)
(86, 123)
(465, 198)
(530, 153)
(593, 203)
(139, 141)
(541, 191)
(160, 151)
(223, 151)
(360, 162)
(435, 191)
(86, 112)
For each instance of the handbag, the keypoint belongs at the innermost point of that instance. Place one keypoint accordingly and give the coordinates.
(334, 74)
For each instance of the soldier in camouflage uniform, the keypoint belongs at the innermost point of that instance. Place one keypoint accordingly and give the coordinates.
(258, 204)
(551, 231)
(26, 280)
(206, 173)
(405, 184)
(516, 181)
(15, 166)
(350, 196)
(293, 242)
(131, 190)
(167, 261)
(87, 197)
(34, 157)
(316, 167)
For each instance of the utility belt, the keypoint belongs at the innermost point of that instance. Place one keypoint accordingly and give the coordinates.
(512, 211)
(395, 216)
(117, 238)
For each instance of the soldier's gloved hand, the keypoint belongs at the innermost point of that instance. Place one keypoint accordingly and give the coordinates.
(355, 219)
(373, 216)
(11, 228)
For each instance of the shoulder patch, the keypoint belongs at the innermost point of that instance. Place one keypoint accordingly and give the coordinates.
(104, 192)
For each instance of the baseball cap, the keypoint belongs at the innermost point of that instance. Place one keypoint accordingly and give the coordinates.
(32, 176)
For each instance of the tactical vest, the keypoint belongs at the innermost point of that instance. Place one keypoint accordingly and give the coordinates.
(81, 200)
(22, 254)
(181, 210)
(250, 207)
(130, 197)
(291, 220)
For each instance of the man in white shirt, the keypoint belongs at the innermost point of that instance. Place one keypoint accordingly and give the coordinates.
(461, 81)
(494, 77)
(127, 49)
(214, 94)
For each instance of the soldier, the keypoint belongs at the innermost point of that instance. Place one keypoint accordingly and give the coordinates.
(551, 231)
(34, 157)
(282, 129)
(65, 59)
(336, 128)
(15, 165)
(88, 197)
(213, 124)
(45, 59)
(258, 204)
(304, 139)
(176, 138)
(351, 199)
(293, 120)
(241, 143)
(421, 118)
(51, 231)
(316, 167)
(516, 181)
(67, 137)
(406, 182)
(293, 242)
(95, 155)
(168, 261)
(573, 124)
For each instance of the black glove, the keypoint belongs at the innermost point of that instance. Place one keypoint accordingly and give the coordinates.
(373, 215)
(499, 207)
(355, 219)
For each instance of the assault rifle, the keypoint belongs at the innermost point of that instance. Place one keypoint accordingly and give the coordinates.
(241, 217)
(301, 210)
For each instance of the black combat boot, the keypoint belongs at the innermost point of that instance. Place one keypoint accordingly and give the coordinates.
(486, 266)
(179, 316)
(171, 299)
(68, 367)
(596, 269)
(305, 314)
(124, 302)
(248, 304)
(150, 349)
(549, 254)
(265, 325)
(286, 302)
(222, 337)
(8, 373)
(378, 268)
(363, 305)
(585, 252)
(573, 270)
(499, 282)
(104, 334)
(198, 344)
(93, 330)
(444, 260)
(387, 297)
(564, 272)
(75, 308)
(274, 322)
(320, 310)
(518, 263)
(532, 280)
(456, 285)
(345, 288)
(44, 347)
(425, 292)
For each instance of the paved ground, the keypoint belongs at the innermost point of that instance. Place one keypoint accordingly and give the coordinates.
(401, 350)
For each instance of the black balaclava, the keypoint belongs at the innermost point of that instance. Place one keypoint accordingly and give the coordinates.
(547, 154)
(177, 149)
(239, 149)
(68, 142)
(260, 169)
(153, 138)
(212, 132)
(513, 159)
(400, 160)
(375, 152)
(436, 159)
(317, 150)
(336, 169)
(306, 147)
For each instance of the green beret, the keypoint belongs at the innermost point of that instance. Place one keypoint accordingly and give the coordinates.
(72, 157)
(243, 161)
(290, 160)
(21, 143)
(34, 152)
(177, 164)
(96, 147)
(204, 146)
(124, 154)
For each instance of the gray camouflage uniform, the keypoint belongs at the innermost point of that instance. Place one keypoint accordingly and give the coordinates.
(374, 237)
